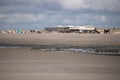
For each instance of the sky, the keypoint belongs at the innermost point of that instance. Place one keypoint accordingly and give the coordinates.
(38, 14)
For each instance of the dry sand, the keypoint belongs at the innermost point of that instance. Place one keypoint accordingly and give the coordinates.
(27, 64)
(59, 38)
(24, 64)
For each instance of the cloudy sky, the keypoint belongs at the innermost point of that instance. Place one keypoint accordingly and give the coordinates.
(37, 14)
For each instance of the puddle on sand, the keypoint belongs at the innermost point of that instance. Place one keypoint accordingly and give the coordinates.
(81, 49)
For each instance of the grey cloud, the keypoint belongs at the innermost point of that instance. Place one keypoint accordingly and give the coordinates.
(39, 6)
(46, 4)
(28, 6)
(14, 3)
(55, 12)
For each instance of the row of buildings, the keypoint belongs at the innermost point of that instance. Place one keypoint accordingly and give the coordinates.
(62, 29)
(20, 31)
(77, 29)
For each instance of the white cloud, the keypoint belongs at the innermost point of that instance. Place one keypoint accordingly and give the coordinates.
(67, 21)
(54, 12)
(72, 4)
(2, 15)
(37, 6)
(73, 19)
(24, 18)
(103, 18)
(95, 18)
(10, 20)
(110, 5)
(99, 18)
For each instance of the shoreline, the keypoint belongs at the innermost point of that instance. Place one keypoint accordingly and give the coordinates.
(97, 50)
(87, 43)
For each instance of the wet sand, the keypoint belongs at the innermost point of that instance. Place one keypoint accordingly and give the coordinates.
(27, 64)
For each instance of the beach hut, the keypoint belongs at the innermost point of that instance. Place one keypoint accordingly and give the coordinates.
(18, 31)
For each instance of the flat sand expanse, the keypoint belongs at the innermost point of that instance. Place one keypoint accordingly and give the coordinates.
(62, 38)
(26, 64)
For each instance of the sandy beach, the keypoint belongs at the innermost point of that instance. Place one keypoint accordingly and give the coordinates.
(24, 64)
(60, 38)
(36, 64)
